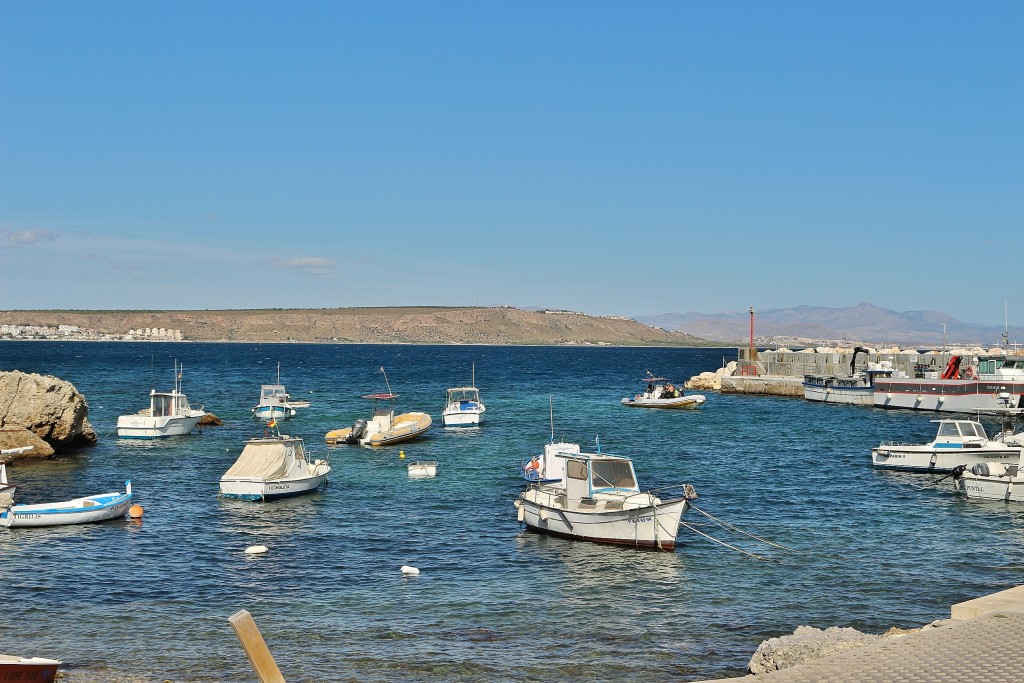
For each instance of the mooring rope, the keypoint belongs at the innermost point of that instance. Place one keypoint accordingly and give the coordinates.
(731, 547)
(733, 527)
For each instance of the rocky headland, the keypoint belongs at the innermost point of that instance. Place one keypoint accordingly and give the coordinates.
(409, 325)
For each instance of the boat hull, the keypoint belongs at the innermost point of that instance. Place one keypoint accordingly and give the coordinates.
(931, 459)
(268, 413)
(688, 402)
(462, 418)
(144, 427)
(653, 527)
(951, 396)
(28, 670)
(1008, 489)
(79, 511)
(255, 489)
(858, 396)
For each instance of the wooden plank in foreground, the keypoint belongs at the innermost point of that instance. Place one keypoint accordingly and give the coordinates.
(255, 647)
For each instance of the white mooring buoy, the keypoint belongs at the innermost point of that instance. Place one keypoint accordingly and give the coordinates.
(409, 571)
(256, 550)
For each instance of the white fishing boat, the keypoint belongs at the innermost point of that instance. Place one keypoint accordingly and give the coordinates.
(274, 466)
(97, 508)
(597, 498)
(385, 427)
(28, 669)
(169, 414)
(659, 392)
(463, 408)
(989, 384)
(991, 481)
(956, 442)
(276, 403)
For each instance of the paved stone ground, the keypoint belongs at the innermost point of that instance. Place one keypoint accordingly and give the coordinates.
(989, 649)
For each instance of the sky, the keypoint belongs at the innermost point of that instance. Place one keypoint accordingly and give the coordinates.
(615, 158)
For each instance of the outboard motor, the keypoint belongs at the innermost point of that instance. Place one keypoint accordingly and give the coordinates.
(358, 429)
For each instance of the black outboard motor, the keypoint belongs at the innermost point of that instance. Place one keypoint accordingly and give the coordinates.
(358, 429)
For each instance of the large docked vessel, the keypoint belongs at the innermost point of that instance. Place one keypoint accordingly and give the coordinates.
(991, 384)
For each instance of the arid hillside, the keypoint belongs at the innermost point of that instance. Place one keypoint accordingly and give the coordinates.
(414, 325)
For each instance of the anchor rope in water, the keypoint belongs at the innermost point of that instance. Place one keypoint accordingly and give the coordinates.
(731, 547)
(733, 527)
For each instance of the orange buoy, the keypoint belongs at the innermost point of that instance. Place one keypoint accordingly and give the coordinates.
(135, 511)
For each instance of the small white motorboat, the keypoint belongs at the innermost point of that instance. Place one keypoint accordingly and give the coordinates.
(595, 497)
(28, 669)
(97, 508)
(169, 414)
(422, 469)
(957, 442)
(659, 392)
(276, 403)
(273, 467)
(463, 407)
(991, 481)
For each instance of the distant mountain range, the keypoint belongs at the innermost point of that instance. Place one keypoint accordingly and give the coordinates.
(861, 323)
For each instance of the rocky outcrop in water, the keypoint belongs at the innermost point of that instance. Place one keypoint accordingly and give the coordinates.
(44, 412)
(711, 381)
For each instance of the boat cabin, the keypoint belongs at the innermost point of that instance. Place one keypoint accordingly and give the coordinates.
(590, 475)
(1001, 367)
(959, 432)
(273, 395)
(465, 397)
(167, 404)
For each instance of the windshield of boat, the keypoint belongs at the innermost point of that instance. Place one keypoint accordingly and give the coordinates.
(163, 405)
(615, 474)
(973, 429)
(949, 429)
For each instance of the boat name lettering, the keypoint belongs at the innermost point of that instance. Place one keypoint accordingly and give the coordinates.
(639, 520)
(278, 487)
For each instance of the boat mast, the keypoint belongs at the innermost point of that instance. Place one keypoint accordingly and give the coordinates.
(386, 380)
(551, 416)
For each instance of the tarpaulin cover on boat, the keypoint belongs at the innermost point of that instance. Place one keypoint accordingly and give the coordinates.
(262, 461)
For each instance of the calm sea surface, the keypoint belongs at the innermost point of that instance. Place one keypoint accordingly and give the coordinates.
(150, 600)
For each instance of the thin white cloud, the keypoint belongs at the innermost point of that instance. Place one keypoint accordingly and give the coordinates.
(29, 236)
(311, 265)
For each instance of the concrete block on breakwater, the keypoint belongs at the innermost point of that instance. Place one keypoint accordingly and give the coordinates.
(771, 385)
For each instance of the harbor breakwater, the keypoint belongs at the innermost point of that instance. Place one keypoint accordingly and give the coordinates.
(780, 372)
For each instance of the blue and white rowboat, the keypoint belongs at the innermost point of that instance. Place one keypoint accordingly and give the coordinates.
(97, 508)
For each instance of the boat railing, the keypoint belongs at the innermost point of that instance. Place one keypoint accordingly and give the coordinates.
(670, 491)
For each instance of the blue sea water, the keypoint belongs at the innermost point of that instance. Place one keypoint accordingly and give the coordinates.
(150, 600)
